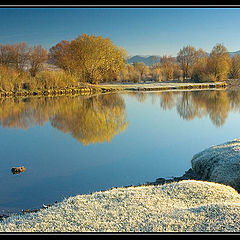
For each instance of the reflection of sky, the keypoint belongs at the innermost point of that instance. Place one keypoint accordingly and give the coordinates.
(157, 143)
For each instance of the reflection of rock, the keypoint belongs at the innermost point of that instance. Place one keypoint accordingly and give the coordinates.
(17, 170)
(220, 163)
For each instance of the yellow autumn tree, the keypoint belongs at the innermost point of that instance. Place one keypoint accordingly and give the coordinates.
(219, 63)
(199, 69)
(59, 55)
(141, 69)
(235, 67)
(186, 58)
(94, 58)
(156, 72)
(168, 64)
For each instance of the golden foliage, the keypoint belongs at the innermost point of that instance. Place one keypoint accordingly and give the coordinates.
(235, 67)
(192, 104)
(168, 64)
(186, 58)
(93, 120)
(37, 56)
(93, 58)
(89, 120)
(219, 63)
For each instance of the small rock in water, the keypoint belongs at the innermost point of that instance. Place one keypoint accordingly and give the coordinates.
(17, 170)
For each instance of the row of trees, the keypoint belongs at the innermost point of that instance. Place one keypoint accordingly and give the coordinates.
(190, 63)
(87, 58)
(166, 69)
(200, 66)
(22, 57)
(94, 59)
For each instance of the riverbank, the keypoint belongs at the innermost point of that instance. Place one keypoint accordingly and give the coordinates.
(149, 86)
(89, 89)
(185, 206)
(181, 204)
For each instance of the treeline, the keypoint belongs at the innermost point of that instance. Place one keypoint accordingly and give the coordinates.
(93, 59)
(22, 57)
(190, 64)
(24, 68)
(86, 59)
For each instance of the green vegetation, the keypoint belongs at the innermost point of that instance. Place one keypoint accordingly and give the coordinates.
(88, 60)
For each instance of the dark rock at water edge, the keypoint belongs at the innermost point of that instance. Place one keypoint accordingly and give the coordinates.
(17, 170)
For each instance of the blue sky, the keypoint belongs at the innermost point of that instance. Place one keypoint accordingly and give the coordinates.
(143, 31)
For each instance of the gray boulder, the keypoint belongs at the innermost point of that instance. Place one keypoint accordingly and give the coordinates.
(220, 163)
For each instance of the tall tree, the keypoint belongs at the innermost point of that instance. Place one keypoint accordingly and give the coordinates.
(59, 55)
(199, 71)
(94, 57)
(219, 62)
(6, 54)
(38, 56)
(15, 55)
(235, 67)
(20, 56)
(141, 68)
(168, 64)
(186, 58)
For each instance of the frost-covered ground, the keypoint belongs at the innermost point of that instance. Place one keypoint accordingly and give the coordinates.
(185, 206)
(160, 85)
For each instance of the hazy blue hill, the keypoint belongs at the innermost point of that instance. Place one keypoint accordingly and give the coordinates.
(234, 53)
(150, 59)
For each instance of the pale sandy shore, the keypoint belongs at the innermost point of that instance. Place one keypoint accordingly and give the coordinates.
(185, 206)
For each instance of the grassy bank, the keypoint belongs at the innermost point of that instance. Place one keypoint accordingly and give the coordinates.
(185, 206)
(89, 89)
(56, 83)
(84, 90)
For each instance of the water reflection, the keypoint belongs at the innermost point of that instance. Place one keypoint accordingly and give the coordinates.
(92, 120)
(195, 104)
(89, 120)
(99, 118)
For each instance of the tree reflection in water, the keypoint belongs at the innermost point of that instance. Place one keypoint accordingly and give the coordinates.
(93, 120)
(191, 104)
(89, 120)
(99, 118)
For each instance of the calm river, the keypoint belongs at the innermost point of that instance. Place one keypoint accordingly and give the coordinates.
(79, 145)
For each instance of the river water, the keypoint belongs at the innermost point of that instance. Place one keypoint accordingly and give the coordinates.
(79, 145)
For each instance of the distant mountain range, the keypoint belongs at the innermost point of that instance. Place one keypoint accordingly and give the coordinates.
(151, 59)
(234, 53)
(148, 60)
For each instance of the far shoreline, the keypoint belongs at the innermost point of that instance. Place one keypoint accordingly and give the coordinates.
(91, 89)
